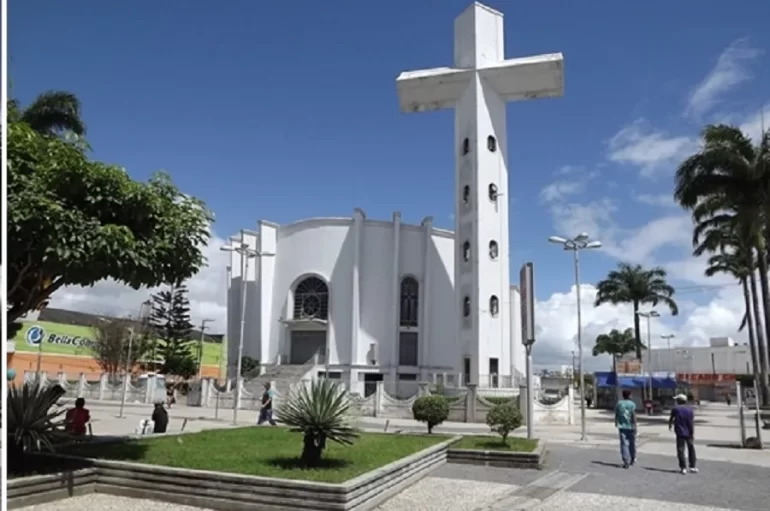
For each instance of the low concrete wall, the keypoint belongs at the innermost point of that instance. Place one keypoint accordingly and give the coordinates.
(232, 492)
(531, 460)
(34, 490)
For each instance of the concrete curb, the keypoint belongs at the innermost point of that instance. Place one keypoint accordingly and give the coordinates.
(227, 492)
(526, 460)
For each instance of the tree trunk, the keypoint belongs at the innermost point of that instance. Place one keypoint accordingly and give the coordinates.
(750, 325)
(765, 286)
(637, 332)
(761, 369)
(312, 449)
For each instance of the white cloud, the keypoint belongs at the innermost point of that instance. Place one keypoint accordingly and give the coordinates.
(556, 319)
(640, 145)
(730, 71)
(753, 124)
(662, 199)
(594, 218)
(207, 293)
(559, 190)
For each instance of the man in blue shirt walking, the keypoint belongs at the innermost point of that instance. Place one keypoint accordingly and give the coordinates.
(625, 421)
(682, 421)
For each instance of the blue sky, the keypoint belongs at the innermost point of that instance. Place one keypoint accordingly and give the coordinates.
(287, 110)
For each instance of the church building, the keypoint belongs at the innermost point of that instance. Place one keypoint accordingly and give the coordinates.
(373, 300)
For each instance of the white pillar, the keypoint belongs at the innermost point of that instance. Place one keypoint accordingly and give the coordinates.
(81, 390)
(396, 296)
(425, 295)
(378, 399)
(102, 385)
(571, 403)
(358, 223)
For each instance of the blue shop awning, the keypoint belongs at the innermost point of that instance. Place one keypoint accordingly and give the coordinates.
(610, 379)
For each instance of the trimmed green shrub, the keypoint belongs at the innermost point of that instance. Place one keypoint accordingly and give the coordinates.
(503, 419)
(432, 410)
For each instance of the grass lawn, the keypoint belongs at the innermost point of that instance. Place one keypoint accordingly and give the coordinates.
(262, 451)
(495, 443)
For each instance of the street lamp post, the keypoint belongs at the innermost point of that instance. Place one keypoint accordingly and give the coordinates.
(667, 338)
(200, 347)
(648, 315)
(144, 311)
(246, 253)
(580, 242)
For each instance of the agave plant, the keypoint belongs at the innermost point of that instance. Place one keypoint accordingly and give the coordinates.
(321, 411)
(35, 423)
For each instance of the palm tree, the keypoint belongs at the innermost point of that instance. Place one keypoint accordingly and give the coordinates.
(635, 285)
(52, 113)
(616, 344)
(726, 185)
(321, 412)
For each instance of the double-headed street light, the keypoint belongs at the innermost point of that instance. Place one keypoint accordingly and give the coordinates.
(580, 242)
(648, 315)
(246, 253)
(667, 338)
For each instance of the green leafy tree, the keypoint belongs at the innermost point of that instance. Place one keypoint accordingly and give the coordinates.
(636, 285)
(75, 222)
(726, 187)
(170, 319)
(321, 412)
(616, 344)
(51, 113)
(503, 419)
(249, 367)
(432, 410)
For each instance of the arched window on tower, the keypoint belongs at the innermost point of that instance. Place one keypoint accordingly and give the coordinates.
(466, 194)
(494, 305)
(467, 251)
(493, 250)
(311, 299)
(410, 297)
(466, 146)
(466, 306)
(493, 192)
(491, 144)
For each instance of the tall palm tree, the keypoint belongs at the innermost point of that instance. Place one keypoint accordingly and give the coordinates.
(616, 344)
(726, 185)
(52, 113)
(635, 285)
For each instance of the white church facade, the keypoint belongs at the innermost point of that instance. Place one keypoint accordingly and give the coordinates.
(371, 299)
(386, 300)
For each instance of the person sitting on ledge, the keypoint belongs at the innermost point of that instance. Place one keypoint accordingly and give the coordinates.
(78, 417)
(159, 418)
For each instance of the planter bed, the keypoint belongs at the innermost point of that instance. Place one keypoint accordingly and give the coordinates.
(464, 452)
(40, 489)
(233, 492)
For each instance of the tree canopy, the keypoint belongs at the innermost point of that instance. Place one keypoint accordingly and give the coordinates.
(615, 343)
(635, 285)
(75, 221)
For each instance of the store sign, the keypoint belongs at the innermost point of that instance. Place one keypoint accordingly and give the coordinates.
(36, 335)
(706, 377)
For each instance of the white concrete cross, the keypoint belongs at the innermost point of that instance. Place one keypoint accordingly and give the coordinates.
(479, 85)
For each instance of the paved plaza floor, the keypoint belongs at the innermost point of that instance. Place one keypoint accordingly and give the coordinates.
(580, 475)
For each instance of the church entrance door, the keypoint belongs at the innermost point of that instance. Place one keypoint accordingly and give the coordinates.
(305, 344)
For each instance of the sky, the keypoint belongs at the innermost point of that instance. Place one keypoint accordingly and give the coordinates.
(288, 110)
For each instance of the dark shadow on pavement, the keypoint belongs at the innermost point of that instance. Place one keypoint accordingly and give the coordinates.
(664, 470)
(608, 464)
(726, 445)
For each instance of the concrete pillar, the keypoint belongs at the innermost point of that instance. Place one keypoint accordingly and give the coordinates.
(523, 402)
(571, 405)
(470, 403)
(424, 389)
(378, 399)
(81, 390)
(102, 386)
(61, 378)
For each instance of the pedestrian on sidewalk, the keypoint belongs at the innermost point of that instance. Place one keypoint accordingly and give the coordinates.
(266, 412)
(682, 421)
(625, 421)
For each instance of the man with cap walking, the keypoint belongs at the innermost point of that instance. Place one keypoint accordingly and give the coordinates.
(682, 421)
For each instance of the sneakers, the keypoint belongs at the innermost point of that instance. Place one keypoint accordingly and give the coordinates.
(683, 471)
(693, 470)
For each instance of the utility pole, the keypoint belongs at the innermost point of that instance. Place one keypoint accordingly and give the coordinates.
(200, 347)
